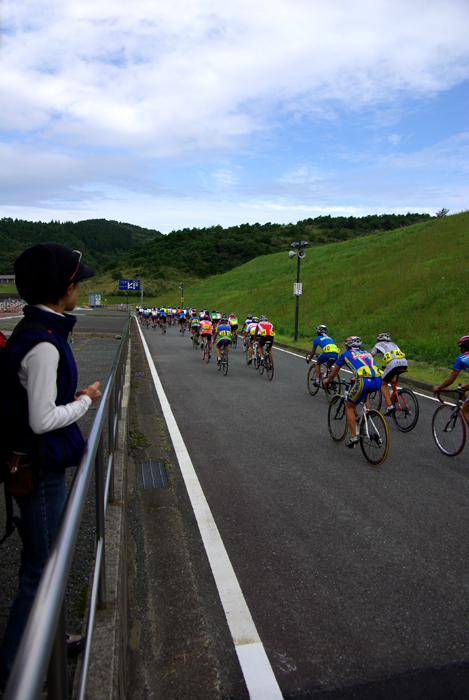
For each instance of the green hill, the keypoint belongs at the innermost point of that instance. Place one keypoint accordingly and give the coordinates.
(199, 253)
(99, 240)
(411, 282)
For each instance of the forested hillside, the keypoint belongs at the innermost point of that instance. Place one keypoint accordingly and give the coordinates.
(202, 252)
(99, 240)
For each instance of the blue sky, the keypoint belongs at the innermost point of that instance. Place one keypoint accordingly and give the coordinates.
(200, 112)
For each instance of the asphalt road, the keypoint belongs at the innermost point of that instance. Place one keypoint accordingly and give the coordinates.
(356, 577)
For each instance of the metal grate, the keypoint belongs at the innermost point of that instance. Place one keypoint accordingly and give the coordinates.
(152, 475)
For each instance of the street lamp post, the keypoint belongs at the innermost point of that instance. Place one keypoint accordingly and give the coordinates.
(298, 250)
(181, 287)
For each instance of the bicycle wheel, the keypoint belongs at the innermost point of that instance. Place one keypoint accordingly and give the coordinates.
(247, 355)
(225, 364)
(260, 366)
(234, 339)
(374, 438)
(204, 349)
(449, 430)
(270, 369)
(375, 399)
(255, 356)
(207, 354)
(406, 410)
(337, 418)
(312, 388)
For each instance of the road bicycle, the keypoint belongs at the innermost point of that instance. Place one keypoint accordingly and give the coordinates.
(205, 350)
(406, 406)
(223, 364)
(448, 424)
(266, 364)
(234, 339)
(195, 340)
(371, 429)
(246, 342)
(335, 385)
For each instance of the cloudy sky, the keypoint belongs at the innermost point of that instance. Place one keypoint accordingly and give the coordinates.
(200, 112)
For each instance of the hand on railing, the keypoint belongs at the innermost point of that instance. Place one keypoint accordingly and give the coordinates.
(92, 391)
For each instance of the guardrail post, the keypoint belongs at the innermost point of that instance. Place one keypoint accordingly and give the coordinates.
(112, 443)
(100, 524)
(57, 681)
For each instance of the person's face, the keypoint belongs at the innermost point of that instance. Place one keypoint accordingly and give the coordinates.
(71, 297)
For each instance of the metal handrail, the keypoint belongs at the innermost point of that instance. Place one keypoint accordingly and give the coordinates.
(43, 645)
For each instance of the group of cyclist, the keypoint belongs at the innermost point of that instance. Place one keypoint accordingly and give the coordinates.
(367, 377)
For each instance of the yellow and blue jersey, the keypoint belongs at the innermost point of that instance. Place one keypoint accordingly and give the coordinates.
(360, 362)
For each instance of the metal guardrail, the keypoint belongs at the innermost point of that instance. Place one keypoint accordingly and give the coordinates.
(43, 648)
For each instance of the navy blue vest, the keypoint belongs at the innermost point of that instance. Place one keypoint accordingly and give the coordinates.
(59, 448)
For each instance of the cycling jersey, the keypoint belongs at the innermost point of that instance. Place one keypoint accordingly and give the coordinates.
(251, 328)
(393, 358)
(326, 344)
(195, 322)
(205, 328)
(462, 362)
(360, 362)
(233, 321)
(265, 328)
(224, 332)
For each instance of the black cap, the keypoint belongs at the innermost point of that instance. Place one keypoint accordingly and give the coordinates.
(45, 271)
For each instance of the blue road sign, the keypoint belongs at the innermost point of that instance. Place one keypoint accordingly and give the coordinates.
(126, 285)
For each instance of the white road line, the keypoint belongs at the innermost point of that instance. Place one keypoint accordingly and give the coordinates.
(257, 671)
(417, 393)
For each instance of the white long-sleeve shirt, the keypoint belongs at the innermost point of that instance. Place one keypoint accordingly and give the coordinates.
(38, 375)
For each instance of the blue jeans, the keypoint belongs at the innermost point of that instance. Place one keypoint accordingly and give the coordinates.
(40, 516)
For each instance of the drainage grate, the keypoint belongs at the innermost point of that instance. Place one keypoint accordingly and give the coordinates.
(152, 475)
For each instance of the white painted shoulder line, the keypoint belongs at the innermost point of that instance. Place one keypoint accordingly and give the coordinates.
(256, 668)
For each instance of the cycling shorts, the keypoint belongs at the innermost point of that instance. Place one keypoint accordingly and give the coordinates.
(265, 340)
(325, 356)
(393, 372)
(361, 387)
(234, 327)
(223, 341)
(206, 335)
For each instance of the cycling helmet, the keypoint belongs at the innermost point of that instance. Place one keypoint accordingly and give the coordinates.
(249, 316)
(353, 341)
(255, 319)
(321, 330)
(384, 336)
(264, 318)
(464, 341)
(206, 318)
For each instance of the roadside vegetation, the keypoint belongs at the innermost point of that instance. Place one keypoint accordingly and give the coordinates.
(411, 282)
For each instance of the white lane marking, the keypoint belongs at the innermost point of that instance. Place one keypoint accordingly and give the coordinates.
(257, 671)
(417, 393)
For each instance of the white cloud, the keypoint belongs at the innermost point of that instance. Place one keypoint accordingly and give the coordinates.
(168, 78)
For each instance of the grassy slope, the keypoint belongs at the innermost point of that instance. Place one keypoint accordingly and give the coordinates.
(411, 282)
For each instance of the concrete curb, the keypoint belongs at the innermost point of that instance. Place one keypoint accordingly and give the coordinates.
(106, 674)
(403, 379)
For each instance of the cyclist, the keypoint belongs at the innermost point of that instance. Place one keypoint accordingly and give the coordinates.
(205, 331)
(246, 323)
(329, 350)
(154, 317)
(251, 330)
(146, 315)
(194, 325)
(461, 362)
(163, 312)
(395, 364)
(265, 335)
(223, 333)
(233, 321)
(214, 319)
(182, 320)
(366, 378)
